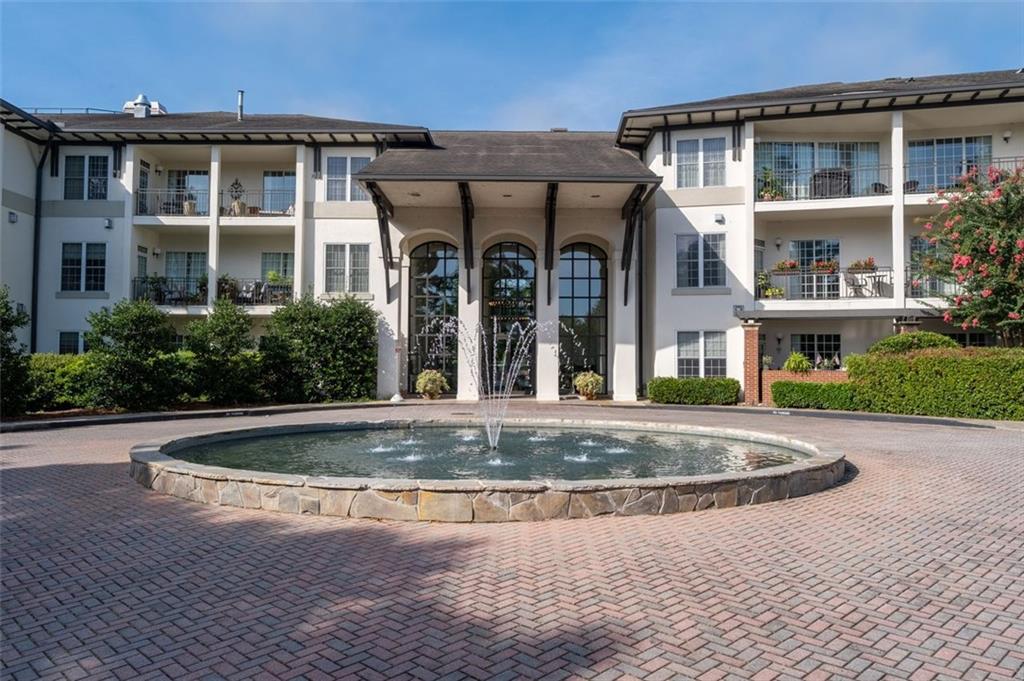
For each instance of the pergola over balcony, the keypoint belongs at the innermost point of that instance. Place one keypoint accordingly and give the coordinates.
(549, 170)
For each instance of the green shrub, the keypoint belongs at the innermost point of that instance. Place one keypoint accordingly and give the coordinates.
(430, 383)
(917, 340)
(797, 362)
(963, 383)
(667, 390)
(140, 383)
(14, 379)
(226, 368)
(58, 382)
(588, 384)
(319, 352)
(802, 395)
(131, 329)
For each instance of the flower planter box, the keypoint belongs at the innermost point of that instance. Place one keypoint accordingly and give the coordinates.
(785, 273)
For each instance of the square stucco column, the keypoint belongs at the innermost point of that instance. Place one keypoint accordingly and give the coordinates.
(623, 331)
(213, 245)
(299, 246)
(899, 264)
(128, 244)
(751, 363)
(547, 333)
(469, 316)
(389, 351)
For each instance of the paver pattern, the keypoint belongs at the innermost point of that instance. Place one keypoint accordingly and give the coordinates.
(913, 568)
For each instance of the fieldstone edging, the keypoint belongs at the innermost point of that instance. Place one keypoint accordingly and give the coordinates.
(479, 500)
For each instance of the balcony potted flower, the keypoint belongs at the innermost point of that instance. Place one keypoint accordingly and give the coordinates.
(771, 188)
(786, 267)
(825, 266)
(766, 289)
(862, 266)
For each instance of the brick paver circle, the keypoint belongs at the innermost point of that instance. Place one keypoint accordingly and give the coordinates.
(912, 568)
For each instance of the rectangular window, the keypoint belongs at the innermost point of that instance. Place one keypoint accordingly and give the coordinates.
(934, 164)
(347, 268)
(700, 260)
(281, 263)
(701, 354)
(183, 269)
(687, 163)
(278, 191)
(823, 349)
(973, 339)
(98, 178)
(83, 267)
(811, 284)
(714, 162)
(142, 266)
(71, 343)
(74, 177)
(341, 183)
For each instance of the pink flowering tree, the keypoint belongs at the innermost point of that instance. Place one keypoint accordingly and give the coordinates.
(978, 234)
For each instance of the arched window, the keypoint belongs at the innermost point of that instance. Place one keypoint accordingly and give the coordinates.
(509, 296)
(433, 308)
(583, 313)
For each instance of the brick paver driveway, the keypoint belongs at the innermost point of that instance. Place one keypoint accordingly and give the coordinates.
(914, 568)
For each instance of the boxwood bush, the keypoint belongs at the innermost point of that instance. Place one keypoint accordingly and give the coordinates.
(803, 395)
(966, 383)
(917, 340)
(667, 390)
(58, 382)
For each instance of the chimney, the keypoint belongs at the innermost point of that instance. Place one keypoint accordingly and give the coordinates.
(241, 102)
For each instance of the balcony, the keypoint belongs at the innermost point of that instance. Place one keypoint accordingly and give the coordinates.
(808, 283)
(267, 203)
(921, 285)
(928, 177)
(822, 183)
(172, 202)
(185, 292)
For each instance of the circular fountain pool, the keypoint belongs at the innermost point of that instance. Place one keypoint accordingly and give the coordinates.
(446, 470)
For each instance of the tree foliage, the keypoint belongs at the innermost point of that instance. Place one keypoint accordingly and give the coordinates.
(978, 234)
(14, 383)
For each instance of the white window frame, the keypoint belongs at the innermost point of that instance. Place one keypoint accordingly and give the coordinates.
(85, 177)
(80, 348)
(702, 354)
(284, 258)
(349, 182)
(701, 259)
(701, 184)
(83, 266)
(348, 268)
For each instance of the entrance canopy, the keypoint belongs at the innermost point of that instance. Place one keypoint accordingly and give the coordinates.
(548, 170)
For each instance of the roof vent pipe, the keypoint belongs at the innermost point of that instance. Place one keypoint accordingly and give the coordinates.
(241, 102)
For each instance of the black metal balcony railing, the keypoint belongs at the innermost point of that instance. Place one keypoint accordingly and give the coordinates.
(922, 285)
(268, 203)
(811, 284)
(822, 183)
(180, 291)
(928, 177)
(186, 202)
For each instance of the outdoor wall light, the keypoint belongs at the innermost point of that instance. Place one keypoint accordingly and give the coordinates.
(778, 243)
(720, 218)
(108, 223)
(156, 252)
(159, 169)
(778, 338)
(12, 217)
(1007, 134)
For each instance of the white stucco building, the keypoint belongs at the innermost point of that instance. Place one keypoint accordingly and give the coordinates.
(656, 244)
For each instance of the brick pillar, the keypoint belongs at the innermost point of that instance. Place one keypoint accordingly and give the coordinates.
(751, 363)
(907, 325)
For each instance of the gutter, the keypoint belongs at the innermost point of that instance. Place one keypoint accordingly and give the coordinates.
(36, 238)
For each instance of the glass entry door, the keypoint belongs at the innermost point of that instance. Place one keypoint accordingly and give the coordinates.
(433, 309)
(509, 297)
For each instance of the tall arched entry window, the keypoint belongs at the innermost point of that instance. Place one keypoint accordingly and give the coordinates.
(509, 296)
(433, 301)
(583, 313)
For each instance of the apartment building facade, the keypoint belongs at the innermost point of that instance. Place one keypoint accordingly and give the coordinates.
(785, 220)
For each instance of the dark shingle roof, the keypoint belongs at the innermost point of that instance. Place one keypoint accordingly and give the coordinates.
(219, 121)
(513, 156)
(825, 98)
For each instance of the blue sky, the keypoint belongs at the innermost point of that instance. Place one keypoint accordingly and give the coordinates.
(479, 65)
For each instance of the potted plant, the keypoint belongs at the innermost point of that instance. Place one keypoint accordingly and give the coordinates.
(798, 363)
(430, 383)
(825, 266)
(588, 384)
(766, 289)
(786, 267)
(771, 188)
(227, 287)
(766, 361)
(861, 266)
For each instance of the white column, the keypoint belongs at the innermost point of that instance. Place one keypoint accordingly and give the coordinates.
(748, 230)
(128, 241)
(899, 264)
(623, 331)
(547, 333)
(213, 246)
(388, 348)
(299, 275)
(469, 315)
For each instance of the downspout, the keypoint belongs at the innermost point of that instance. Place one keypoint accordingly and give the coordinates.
(36, 238)
(641, 387)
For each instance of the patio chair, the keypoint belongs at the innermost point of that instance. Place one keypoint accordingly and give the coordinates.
(247, 295)
(857, 286)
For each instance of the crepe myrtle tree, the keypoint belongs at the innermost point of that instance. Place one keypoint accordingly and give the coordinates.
(978, 239)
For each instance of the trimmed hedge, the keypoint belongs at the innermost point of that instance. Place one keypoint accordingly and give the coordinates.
(667, 390)
(916, 340)
(985, 383)
(803, 395)
(57, 382)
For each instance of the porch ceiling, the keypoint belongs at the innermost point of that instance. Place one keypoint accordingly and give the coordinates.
(436, 194)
